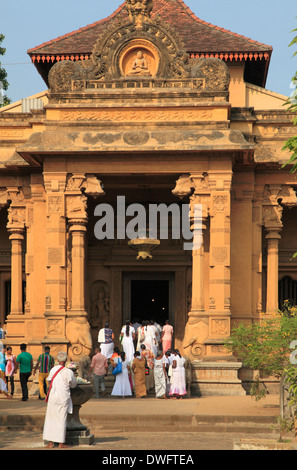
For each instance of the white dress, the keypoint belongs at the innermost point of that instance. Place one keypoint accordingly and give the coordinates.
(178, 379)
(150, 341)
(128, 344)
(59, 405)
(107, 349)
(122, 385)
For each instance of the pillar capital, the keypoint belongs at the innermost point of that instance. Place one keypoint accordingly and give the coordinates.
(16, 234)
(273, 233)
(78, 224)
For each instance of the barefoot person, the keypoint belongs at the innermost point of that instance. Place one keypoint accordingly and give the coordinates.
(59, 402)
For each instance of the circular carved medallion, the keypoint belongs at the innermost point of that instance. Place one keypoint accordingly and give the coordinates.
(140, 58)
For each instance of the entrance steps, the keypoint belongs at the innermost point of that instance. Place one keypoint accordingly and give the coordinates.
(192, 424)
(99, 421)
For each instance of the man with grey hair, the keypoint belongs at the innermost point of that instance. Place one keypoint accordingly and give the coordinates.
(59, 403)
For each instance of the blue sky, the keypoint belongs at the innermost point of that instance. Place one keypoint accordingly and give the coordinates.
(29, 23)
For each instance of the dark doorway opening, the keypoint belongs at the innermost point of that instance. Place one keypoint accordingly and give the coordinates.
(287, 291)
(150, 300)
(8, 297)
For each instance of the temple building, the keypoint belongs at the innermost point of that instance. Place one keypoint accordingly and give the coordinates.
(155, 107)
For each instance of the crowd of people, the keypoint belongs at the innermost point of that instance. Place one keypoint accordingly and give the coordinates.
(147, 361)
(145, 358)
(144, 362)
(10, 365)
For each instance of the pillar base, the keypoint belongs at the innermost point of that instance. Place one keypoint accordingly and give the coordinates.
(216, 379)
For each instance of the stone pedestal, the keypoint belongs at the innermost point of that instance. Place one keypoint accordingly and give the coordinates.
(216, 379)
(76, 432)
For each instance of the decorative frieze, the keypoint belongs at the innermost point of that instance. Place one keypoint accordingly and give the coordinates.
(142, 84)
(178, 114)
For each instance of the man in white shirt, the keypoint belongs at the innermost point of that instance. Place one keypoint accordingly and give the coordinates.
(59, 403)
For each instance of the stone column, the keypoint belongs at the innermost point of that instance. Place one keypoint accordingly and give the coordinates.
(257, 259)
(17, 238)
(16, 228)
(78, 331)
(55, 301)
(78, 231)
(272, 220)
(273, 236)
(197, 187)
(198, 307)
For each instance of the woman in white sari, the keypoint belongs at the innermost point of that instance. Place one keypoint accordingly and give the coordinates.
(150, 341)
(127, 338)
(122, 387)
(178, 379)
(160, 376)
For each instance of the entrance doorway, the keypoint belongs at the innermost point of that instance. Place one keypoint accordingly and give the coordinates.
(148, 296)
(150, 300)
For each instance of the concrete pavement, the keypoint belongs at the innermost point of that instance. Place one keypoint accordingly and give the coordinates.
(190, 423)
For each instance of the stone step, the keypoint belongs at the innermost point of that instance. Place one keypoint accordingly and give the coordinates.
(131, 423)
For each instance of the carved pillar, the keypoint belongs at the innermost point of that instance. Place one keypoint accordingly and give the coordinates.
(272, 218)
(16, 228)
(78, 231)
(78, 331)
(197, 326)
(198, 301)
(219, 274)
(55, 301)
(257, 255)
(17, 238)
(273, 236)
(36, 256)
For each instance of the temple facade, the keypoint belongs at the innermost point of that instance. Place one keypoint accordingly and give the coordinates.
(155, 107)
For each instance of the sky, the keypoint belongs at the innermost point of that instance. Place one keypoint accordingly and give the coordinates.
(26, 24)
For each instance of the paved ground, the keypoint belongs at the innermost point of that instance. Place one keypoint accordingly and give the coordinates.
(119, 441)
(145, 424)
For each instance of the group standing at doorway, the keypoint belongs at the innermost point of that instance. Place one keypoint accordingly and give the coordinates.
(145, 362)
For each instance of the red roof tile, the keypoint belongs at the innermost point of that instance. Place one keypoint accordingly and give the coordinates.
(199, 36)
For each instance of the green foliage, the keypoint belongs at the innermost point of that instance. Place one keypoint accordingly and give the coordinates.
(3, 77)
(291, 374)
(291, 144)
(265, 346)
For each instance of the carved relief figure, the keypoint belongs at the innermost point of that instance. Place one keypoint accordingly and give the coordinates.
(139, 8)
(99, 308)
(195, 335)
(79, 335)
(140, 65)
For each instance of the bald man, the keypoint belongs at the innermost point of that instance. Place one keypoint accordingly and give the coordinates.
(59, 403)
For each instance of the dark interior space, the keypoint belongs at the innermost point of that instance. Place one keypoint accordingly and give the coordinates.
(150, 300)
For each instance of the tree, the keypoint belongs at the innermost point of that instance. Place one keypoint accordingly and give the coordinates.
(291, 143)
(265, 346)
(3, 77)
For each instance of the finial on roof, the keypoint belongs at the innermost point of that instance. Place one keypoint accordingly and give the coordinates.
(139, 10)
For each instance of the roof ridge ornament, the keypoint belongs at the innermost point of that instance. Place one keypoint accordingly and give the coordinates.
(139, 11)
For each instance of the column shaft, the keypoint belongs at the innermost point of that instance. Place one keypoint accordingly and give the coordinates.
(16, 307)
(78, 267)
(272, 271)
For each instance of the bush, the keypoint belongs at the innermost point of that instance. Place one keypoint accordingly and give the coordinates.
(265, 346)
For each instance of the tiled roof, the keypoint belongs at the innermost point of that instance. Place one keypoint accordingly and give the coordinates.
(199, 36)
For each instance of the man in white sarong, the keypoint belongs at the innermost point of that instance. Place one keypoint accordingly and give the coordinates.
(59, 402)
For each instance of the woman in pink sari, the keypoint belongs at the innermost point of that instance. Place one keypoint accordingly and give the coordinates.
(166, 337)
